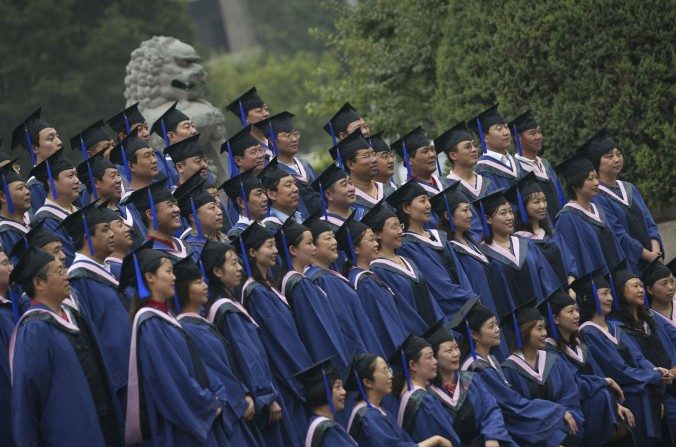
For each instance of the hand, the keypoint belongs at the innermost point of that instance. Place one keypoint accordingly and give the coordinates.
(570, 422)
(443, 442)
(274, 412)
(626, 415)
(615, 389)
(250, 409)
(666, 375)
(492, 443)
(651, 255)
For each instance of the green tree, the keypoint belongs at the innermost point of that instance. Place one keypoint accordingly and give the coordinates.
(70, 56)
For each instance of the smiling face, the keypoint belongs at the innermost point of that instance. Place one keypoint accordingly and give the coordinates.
(634, 292)
(536, 336)
(419, 209)
(338, 394)
(606, 299)
(367, 249)
(502, 220)
(465, 154)
(327, 248)
(265, 256)
(392, 234)
(110, 185)
(424, 161)
(304, 250)
(488, 335)
(198, 292)
(230, 272)
(253, 157)
(536, 206)
(568, 319)
(67, 186)
(462, 217)
(191, 165)
(168, 217)
(589, 188)
(122, 240)
(382, 378)
(341, 194)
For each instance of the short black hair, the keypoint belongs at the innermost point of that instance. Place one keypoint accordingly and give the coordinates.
(29, 287)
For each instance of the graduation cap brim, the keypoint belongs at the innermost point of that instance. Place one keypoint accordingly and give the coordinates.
(249, 99)
(342, 119)
(406, 193)
(525, 121)
(280, 122)
(168, 121)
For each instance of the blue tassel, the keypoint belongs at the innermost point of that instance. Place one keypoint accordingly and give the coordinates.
(517, 141)
(29, 143)
(407, 163)
(165, 136)
(125, 162)
(407, 374)
(177, 303)
(522, 207)
(438, 166)
(153, 211)
(51, 180)
(470, 340)
(362, 393)
(143, 292)
(273, 140)
(559, 192)
(323, 199)
(196, 217)
(231, 162)
(8, 196)
(13, 298)
(92, 183)
(329, 394)
(127, 127)
(552, 325)
(353, 254)
(87, 234)
(517, 333)
(242, 115)
(450, 216)
(85, 157)
(339, 159)
(484, 220)
(245, 258)
(616, 297)
(482, 140)
(244, 199)
(204, 273)
(287, 255)
(595, 296)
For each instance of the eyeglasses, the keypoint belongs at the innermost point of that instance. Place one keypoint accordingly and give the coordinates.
(60, 272)
(294, 134)
(370, 154)
(399, 226)
(386, 155)
(387, 371)
(369, 239)
(256, 150)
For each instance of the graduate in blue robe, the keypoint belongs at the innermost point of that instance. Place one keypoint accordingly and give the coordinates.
(604, 417)
(379, 301)
(534, 422)
(549, 379)
(10, 233)
(60, 389)
(171, 399)
(271, 310)
(660, 285)
(12, 213)
(9, 315)
(609, 345)
(234, 323)
(625, 210)
(312, 311)
(324, 396)
(246, 193)
(429, 249)
(474, 412)
(420, 413)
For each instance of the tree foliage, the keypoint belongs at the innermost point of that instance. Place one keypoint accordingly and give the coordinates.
(579, 65)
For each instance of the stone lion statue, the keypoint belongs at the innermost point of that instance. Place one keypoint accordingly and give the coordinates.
(163, 70)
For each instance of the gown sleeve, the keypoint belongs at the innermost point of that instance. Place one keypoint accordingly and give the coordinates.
(487, 413)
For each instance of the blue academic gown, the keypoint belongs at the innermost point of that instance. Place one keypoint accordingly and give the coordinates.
(139, 228)
(551, 381)
(474, 412)
(556, 252)
(237, 326)
(358, 332)
(174, 402)
(106, 309)
(53, 215)
(412, 290)
(364, 202)
(422, 416)
(286, 351)
(641, 384)
(668, 325)
(630, 220)
(115, 266)
(10, 233)
(374, 427)
(166, 168)
(303, 174)
(60, 392)
(534, 422)
(482, 187)
(590, 240)
(598, 405)
(179, 251)
(380, 305)
(500, 175)
(324, 432)
(38, 193)
(488, 282)
(525, 269)
(448, 284)
(214, 350)
(316, 321)
(6, 328)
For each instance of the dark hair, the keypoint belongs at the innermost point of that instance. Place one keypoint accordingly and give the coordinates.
(315, 396)
(524, 331)
(403, 217)
(29, 287)
(519, 225)
(283, 267)
(136, 302)
(399, 379)
(347, 265)
(623, 314)
(490, 211)
(575, 182)
(444, 225)
(216, 288)
(258, 276)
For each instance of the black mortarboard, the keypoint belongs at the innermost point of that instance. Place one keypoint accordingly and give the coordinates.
(125, 149)
(620, 278)
(8, 176)
(82, 223)
(91, 169)
(551, 306)
(124, 120)
(597, 145)
(491, 200)
(519, 316)
(87, 138)
(287, 235)
(471, 316)
(448, 200)
(451, 138)
(39, 236)
(671, 265)
(487, 118)
(574, 165)
(239, 142)
(168, 121)
(348, 233)
(655, 271)
(375, 217)
(213, 253)
(437, 334)
(317, 380)
(341, 119)
(586, 289)
(186, 270)
(184, 149)
(525, 121)
(407, 350)
(109, 214)
(191, 196)
(406, 193)
(378, 143)
(272, 174)
(148, 197)
(526, 185)
(348, 146)
(317, 225)
(246, 101)
(328, 177)
(357, 371)
(135, 264)
(281, 122)
(27, 132)
(241, 185)
(411, 142)
(253, 236)
(48, 170)
(28, 265)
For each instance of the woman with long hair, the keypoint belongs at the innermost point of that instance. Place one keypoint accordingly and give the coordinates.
(170, 399)
(429, 249)
(226, 312)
